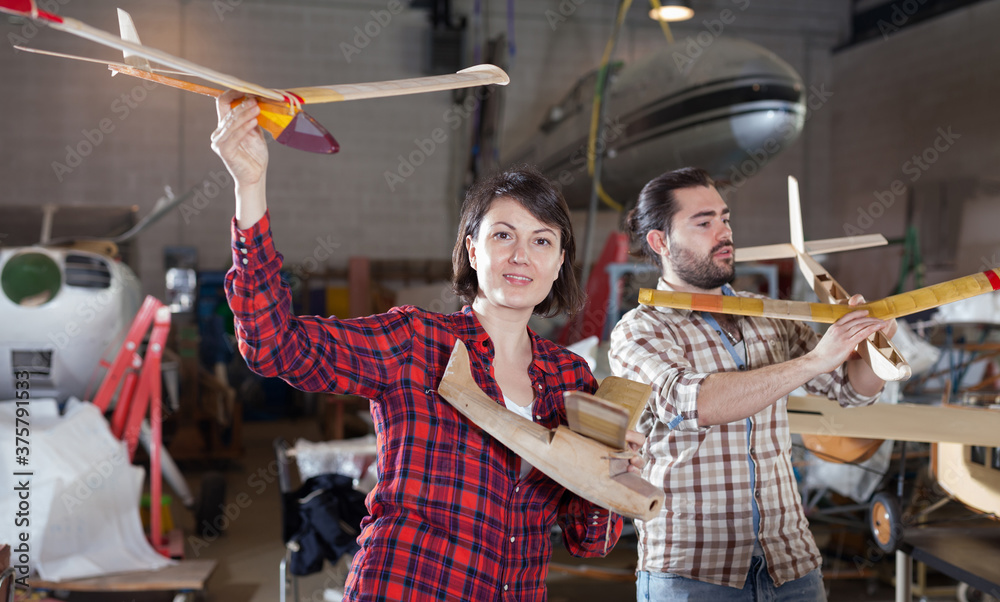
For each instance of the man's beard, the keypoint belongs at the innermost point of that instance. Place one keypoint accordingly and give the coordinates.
(701, 272)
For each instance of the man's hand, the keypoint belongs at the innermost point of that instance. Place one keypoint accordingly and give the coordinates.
(634, 442)
(845, 335)
(239, 141)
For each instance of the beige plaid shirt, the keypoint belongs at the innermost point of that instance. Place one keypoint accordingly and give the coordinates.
(705, 529)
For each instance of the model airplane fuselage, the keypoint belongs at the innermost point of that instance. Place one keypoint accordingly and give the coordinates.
(61, 309)
(729, 110)
(593, 470)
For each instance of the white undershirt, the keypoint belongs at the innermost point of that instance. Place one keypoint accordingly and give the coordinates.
(524, 412)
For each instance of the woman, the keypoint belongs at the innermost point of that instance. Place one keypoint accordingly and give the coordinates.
(455, 515)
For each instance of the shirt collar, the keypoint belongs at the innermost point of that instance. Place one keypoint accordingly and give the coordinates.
(661, 285)
(541, 354)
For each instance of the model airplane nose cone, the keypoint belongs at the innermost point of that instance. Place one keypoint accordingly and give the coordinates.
(304, 133)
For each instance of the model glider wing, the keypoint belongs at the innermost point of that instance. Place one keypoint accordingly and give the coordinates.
(892, 307)
(479, 75)
(903, 421)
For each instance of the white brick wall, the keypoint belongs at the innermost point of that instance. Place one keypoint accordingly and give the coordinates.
(892, 96)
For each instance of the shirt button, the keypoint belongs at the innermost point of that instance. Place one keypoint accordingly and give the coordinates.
(743, 368)
(243, 239)
(516, 489)
(244, 251)
(511, 540)
(245, 261)
(537, 417)
(756, 494)
(752, 451)
(539, 386)
(504, 587)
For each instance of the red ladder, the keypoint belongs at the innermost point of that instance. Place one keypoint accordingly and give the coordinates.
(139, 378)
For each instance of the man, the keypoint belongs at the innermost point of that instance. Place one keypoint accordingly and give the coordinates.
(732, 526)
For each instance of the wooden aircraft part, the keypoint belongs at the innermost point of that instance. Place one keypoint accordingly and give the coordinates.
(128, 31)
(104, 38)
(138, 55)
(841, 450)
(812, 247)
(630, 394)
(883, 357)
(975, 485)
(888, 308)
(904, 421)
(165, 80)
(586, 467)
(478, 75)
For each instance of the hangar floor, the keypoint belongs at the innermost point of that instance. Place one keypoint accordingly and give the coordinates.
(249, 552)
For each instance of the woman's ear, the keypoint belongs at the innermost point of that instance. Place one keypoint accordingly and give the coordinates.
(470, 247)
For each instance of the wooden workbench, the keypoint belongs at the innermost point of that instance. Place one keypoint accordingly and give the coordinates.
(186, 575)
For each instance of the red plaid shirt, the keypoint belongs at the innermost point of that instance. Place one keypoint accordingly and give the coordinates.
(449, 518)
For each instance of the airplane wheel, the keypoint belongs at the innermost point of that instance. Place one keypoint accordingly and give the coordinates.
(884, 521)
(210, 504)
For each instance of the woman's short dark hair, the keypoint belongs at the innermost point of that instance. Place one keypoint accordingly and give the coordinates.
(657, 206)
(539, 197)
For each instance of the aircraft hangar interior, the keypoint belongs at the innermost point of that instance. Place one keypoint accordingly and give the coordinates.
(483, 300)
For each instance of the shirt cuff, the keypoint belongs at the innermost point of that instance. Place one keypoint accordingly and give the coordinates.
(849, 396)
(253, 246)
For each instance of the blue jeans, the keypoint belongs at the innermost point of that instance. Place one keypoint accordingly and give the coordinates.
(665, 587)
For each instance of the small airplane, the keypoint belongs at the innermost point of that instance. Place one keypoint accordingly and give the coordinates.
(730, 110)
(65, 302)
(281, 113)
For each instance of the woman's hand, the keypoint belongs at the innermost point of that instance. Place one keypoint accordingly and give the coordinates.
(634, 442)
(239, 141)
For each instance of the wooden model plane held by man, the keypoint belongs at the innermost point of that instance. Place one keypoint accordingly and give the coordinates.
(877, 350)
(281, 110)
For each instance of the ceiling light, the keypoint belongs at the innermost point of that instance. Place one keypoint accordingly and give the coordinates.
(678, 10)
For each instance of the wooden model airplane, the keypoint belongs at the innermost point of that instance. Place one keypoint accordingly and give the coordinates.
(594, 470)
(877, 350)
(281, 113)
(965, 450)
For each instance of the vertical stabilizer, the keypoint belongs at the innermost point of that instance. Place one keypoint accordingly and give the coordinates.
(795, 215)
(129, 34)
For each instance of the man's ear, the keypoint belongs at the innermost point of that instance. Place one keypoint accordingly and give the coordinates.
(471, 249)
(657, 242)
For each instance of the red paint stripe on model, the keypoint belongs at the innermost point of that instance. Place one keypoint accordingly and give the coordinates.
(991, 275)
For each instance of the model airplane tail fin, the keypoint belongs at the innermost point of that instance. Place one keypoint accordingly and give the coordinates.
(130, 34)
(795, 215)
